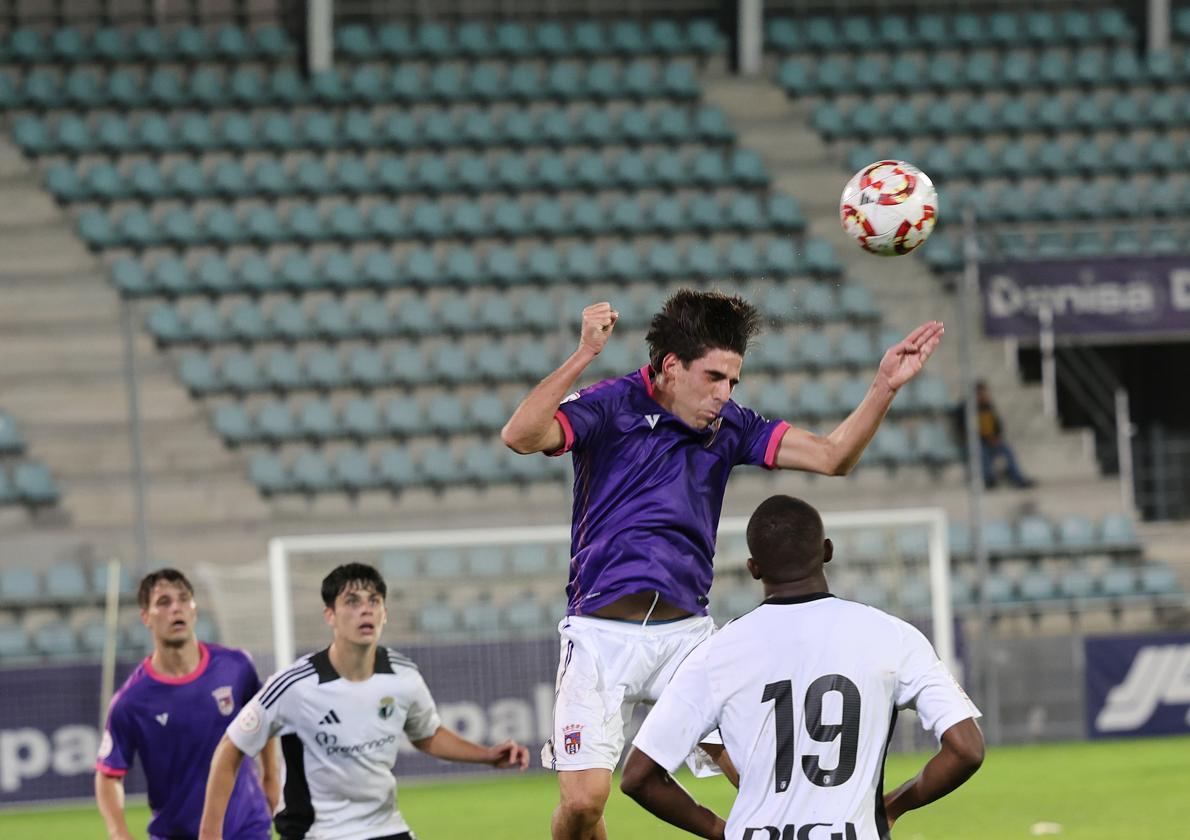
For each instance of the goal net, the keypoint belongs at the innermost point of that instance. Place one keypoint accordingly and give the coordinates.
(478, 609)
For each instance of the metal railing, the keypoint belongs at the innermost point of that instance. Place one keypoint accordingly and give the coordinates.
(1162, 459)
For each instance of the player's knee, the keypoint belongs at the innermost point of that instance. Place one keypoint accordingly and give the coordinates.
(584, 803)
(587, 810)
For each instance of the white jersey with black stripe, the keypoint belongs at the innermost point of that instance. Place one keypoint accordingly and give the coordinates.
(805, 692)
(339, 741)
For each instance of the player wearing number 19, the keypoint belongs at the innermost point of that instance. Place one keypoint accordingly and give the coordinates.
(807, 721)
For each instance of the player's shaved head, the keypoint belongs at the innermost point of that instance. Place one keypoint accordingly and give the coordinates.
(787, 540)
(691, 323)
(352, 576)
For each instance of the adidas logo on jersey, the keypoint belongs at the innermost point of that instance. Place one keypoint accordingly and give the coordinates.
(330, 717)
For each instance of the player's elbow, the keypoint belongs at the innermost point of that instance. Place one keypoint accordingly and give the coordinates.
(516, 440)
(965, 744)
(841, 467)
(632, 784)
(971, 755)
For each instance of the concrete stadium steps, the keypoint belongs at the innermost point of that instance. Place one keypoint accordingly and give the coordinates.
(36, 236)
(225, 497)
(60, 336)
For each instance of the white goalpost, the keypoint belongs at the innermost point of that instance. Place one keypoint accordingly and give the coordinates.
(478, 609)
(285, 551)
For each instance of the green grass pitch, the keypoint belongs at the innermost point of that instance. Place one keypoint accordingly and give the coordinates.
(1132, 789)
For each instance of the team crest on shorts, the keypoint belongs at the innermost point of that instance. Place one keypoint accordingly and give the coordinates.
(224, 698)
(386, 708)
(572, 739)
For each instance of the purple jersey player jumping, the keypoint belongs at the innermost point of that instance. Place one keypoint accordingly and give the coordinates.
(172, 711)
(652, 453)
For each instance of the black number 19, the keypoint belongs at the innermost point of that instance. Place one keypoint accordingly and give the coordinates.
(848, 730)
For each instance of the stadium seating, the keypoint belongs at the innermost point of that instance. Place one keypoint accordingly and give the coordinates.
(351, 266)
(1013, 127)
(23, 481)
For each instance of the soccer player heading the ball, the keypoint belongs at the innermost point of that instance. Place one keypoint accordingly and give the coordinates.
(342, 711)
(807, 721)
(172, 711)
(652, 453)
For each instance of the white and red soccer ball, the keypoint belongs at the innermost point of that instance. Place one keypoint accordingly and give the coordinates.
(889, 207)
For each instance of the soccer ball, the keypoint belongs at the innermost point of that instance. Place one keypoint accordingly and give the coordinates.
(889, 207)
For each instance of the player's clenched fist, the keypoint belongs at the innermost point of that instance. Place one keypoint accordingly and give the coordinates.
(598, 321)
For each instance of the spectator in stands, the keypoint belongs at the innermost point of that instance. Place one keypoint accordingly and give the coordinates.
(992, 445)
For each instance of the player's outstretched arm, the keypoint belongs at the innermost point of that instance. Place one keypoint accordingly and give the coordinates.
(956, 762)
(659, 793)
(839, 452)
(225, 764)
(533, 427)
(448, 746)
(109, 796)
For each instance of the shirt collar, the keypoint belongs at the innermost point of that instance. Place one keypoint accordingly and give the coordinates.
(798, 599)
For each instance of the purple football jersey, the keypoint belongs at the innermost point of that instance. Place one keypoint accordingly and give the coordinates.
(174, 724)
(648, 490)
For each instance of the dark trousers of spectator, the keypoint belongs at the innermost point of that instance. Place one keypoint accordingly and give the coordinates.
(994, 452)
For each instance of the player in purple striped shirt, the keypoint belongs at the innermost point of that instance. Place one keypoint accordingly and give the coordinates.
(172, 711)
(652, 453)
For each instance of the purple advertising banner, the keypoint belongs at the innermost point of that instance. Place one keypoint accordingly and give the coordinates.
(1138, 685)
(1095, 296)
(49, 732)
(486, 691)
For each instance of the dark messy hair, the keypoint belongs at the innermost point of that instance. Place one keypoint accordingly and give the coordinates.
(785, 538)
(691, 323)
(153, 578)
(343, 576)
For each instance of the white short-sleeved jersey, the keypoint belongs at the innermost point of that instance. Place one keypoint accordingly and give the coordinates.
(805, 693)
(339, 741)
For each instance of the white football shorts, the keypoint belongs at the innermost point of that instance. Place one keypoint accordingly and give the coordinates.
(605, 669)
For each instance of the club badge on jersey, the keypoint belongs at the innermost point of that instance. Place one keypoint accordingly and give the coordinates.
(225, 700)
(386, 708)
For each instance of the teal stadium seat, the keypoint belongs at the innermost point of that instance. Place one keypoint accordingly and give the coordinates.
(404, 417)
(1158, 579)
(513, 40)
(352, 471)
(1117, 533)
(1035, 535)
(1076, 584)
(233, 423)
(1037, 585)
(312, 473)
(934, 445)
(34, 484)
(198, 374)
(56, 642)
(247, 324)
(136, 229)
(1119, 582)
(239, 373)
